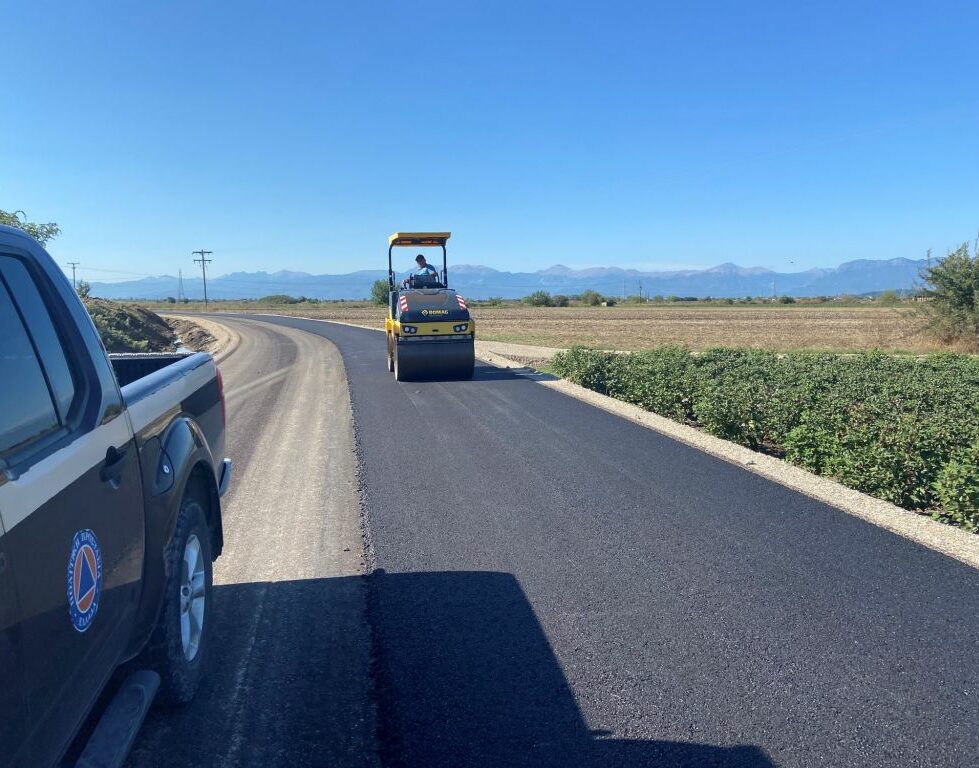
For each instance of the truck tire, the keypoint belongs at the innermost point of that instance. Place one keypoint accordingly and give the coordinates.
(178, 647)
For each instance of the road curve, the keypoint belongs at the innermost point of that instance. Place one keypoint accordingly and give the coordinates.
(559, 586)
(552, 586)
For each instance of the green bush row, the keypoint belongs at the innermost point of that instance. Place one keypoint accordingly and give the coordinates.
(903, 429)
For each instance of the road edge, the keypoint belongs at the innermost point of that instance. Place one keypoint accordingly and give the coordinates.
(226, 339)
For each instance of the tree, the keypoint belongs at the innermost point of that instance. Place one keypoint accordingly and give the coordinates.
(539, 299)
(560, 300)
(84, 288)
(953, 287)
(379, 292)
(40, 232)
(591, 298)
(889, 298)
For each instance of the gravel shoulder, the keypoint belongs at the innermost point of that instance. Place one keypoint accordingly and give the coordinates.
(288, 678)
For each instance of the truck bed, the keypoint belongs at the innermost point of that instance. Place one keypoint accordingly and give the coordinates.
(132, 366)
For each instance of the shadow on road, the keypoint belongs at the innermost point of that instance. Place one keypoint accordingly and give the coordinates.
(491, 373)
(463, 677)
(287, 683)
(486, 373)
(466, 677)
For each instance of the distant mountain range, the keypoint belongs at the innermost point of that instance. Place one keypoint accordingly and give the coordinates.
(724, 280)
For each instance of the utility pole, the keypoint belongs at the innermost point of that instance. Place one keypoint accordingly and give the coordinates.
(73, 264)
(203, 261)
(180, 285)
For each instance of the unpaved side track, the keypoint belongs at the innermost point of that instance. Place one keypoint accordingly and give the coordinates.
(288, 672)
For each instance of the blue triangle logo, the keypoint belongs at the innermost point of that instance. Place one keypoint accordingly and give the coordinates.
(87, 580)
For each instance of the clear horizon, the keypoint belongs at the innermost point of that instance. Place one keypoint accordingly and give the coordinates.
(644, 136)
(194, 273)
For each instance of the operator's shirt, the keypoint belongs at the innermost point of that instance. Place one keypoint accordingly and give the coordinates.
(428, 269)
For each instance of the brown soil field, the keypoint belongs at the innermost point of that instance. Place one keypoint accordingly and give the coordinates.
(898, 329)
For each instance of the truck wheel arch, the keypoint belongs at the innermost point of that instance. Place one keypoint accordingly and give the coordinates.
(203, 487)
(186, 449)
(189, 470)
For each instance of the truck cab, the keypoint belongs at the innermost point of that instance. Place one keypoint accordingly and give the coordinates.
(100, 484)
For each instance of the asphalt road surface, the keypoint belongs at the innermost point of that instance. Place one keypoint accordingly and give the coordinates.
(552, 586)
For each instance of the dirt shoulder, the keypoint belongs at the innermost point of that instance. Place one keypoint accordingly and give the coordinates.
(204, 335)
(130, 328)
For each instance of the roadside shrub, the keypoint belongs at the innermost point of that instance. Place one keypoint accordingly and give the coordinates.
(588, 367)
(279, 298)
(897, 461)
(539, 299)
(812, 446)
(957, 488)
(380, 292)
(661, 380)
(733, 394)
(953, 287)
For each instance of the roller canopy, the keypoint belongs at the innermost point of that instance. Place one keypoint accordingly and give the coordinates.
(418, 238)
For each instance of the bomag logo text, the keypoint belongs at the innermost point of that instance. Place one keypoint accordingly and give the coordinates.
(435, 311)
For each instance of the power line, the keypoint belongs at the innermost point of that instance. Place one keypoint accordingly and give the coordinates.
(203, 261)
(73, 265)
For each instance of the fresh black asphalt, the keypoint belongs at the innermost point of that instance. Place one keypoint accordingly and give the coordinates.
(557, 586)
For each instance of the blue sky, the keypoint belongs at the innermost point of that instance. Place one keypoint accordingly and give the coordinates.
(648, 135)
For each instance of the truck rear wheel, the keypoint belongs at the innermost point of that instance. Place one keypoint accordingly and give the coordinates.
(178, 646)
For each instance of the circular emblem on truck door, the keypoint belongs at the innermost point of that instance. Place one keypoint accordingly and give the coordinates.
(84, 584)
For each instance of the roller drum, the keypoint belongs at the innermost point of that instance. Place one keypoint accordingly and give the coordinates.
(424, 360)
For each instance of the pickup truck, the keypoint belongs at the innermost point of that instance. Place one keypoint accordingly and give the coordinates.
(111, 477)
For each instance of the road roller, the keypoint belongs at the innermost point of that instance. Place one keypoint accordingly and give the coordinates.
(430, 332)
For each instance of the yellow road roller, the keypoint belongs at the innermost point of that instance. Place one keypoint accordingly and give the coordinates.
(430, 332)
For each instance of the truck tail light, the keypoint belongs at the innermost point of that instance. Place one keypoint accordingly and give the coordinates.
(220, 379)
